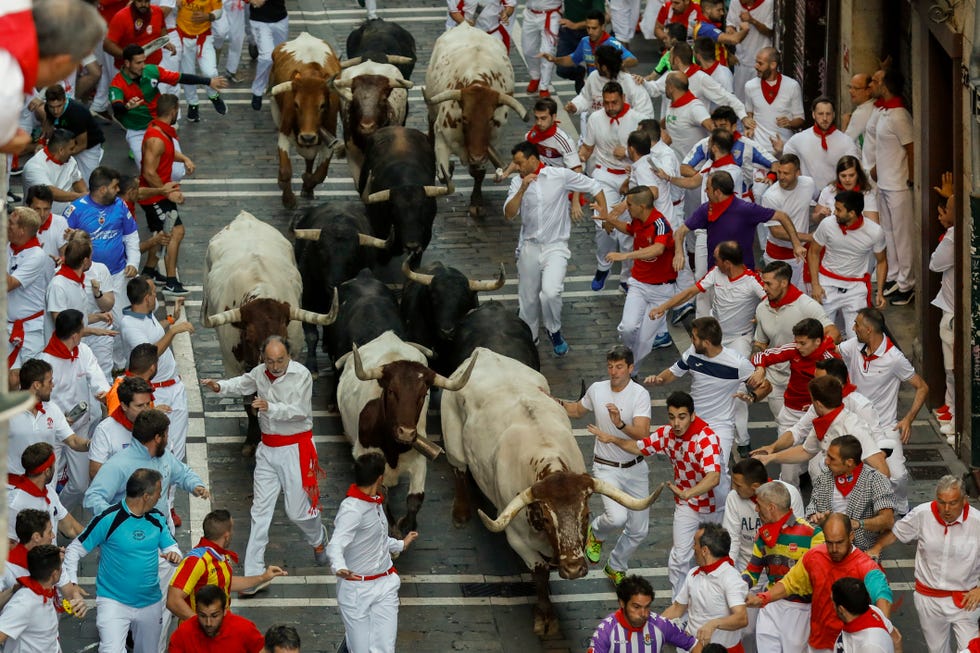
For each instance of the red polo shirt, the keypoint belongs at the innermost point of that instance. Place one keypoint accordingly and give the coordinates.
(236, 635)
(127, 27)
(655, 229)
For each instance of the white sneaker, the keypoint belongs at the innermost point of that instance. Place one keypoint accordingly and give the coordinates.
(947, 428)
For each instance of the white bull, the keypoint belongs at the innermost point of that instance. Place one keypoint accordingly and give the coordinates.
(469, 88)
(517, 443)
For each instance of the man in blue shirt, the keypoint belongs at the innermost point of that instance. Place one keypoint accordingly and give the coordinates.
(148, 450)
(115, 239)
(584, 54)
(635, 627)
(133, 536)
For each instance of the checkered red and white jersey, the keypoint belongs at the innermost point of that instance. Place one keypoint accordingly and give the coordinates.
(693, 456)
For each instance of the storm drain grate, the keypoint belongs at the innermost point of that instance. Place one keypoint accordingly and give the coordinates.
(923, 455)
(497, 589)
(927, 472)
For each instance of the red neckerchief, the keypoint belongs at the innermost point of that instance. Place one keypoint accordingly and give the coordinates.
(974, 646)
(692, 70)
(165, 128)
(622, 112)
(715, 209)
(711, 69)
(39, 407)
(867, 358)
(602, 39)
(893, 103)
(869, 619)
(18, 556)
(21, 482)
(33, 242)
(47, 153)
(935, 513)
(846, 483)
(58, 349)
(225, 552)
(854, 226)
(751, 4)
(848, 389)
(821, 424)
(46, 224)
(770, 532)
(68, 273)
(269, 375)
(770, 91)
(120, 417)
(856, 189)
(541, 167)
(792, 294)
(621, 618)
(34, 586)
(19, 38)
(823, 134)
(707, 569)
(355, 492)
(727, 160)
(696, 426)
(687, 98)
(536, 135)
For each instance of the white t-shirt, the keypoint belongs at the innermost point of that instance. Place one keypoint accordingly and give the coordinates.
(53, 238)
(27, 429)
(18, 500)
(99, 344)
(642, 174)
(943, 260)
(947, 556)
(34, 270)
(137, 329)
(828, 197)
(723, 75)
(847, 255)
(880, 378)
(712, 596)
(666, 159)
(30, 623)
(684, 126)
(846, 423)
(796, 204)
(816, 162)
(887, 133)
(788, 104)
(873, 639)
(859, 120)
(41, 170)
(754, 40)
(632, 401)
(605, 134)
(734, 300)
(589, 99)
(109, 438)
(714, 382)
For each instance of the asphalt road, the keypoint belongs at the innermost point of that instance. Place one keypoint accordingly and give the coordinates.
(462, 589)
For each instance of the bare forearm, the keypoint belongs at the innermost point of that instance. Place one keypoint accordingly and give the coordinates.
(795, 454)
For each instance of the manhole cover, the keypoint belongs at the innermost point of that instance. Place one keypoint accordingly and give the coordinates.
(923, 455)
(927, 472)
(497, 589)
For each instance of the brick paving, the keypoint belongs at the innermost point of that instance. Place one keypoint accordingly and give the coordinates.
(449, 572)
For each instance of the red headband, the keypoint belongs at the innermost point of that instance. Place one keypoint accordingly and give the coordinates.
(42, 467)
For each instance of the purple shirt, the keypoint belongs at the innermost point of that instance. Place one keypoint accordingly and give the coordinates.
(736, 223)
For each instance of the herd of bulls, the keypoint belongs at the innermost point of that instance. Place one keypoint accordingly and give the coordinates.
(499, 425)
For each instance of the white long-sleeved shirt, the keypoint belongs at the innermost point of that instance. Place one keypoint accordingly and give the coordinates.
(76, 381)
(943, 260)
(290, 398)
(590, 97)
(742, 522)
(360, 541)
(705, 88)
(544, 207)
(946, 555)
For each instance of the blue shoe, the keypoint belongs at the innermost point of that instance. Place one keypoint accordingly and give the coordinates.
(663, 341)
(624, 287)
(561, 347)
(681, 312)
(599, 280)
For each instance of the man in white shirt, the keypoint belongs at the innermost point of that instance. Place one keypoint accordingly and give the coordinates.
(866, 629)
(29, 270)
(705, 56)
(34, 490)
(55, 168)
(51, 233)
(686, 118)
(540, 196)
(773, 100)
(839, 257)
(863, 104)
(609, 68)
(360, 555)
(540, 35)
(713, 597)
(943, 260)
(606, 137)
(622, 410)
(286, 458)
(115, 432)
(822, 146)
(889, 157)
(947, 564)
(791, 195)
(759, 16)
(71, 287)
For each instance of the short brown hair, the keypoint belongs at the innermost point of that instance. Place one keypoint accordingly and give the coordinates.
(827, 390)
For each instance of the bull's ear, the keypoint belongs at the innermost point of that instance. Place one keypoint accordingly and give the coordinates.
(535, 516)
(296, 75)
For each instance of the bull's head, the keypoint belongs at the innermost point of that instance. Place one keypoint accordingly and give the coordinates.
(404, 386)
(411, 213)
(310, 96)
(367, 96)
(558, 506)
(451, 294)
(483, 113)
(339, 251)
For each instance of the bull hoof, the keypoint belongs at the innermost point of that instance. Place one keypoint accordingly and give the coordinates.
(307, 193)
(461, 516)
(248, 450)
(477, 211)
(545, 625)
(289, 200)
(406, 525)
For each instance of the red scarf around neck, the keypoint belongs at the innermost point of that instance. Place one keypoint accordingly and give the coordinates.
(58, 349)
(770, 532)
(891, 103)
(854, 226)
(712, 68)
(33, 242)
(272, 377)
(856, 189)
(68, 273)
(715, 209)
(848, 389)
(46, 224)
(770, 91)
(935, 513)
(596, 44)
(120, 417)
(355, 492)
(707, 569)
(727, 160)
(622, 112)
(822, 424)
(749, 5)
(227, 553)
(823, 134)
(21, 482)
(36, 587)
(869, 619)
(846, 482)
(18, 556)
(687, 98)
(692, 70)
(536, 135)
(792, 294)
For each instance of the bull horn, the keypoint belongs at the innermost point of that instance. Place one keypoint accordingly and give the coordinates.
(306, 234)
(225, 317)
(511, 101)
(436, 191)
(477, 286)
(372, 241)
(371, 375)
(396, 59)
(351, 62)
(342, 83)
(445, 96)
(284, 87)
(428, 353)
(317, 318)
(380, 196)
(504, 516)
(453, 385)
(400, 83)
(342, 361)
(412, 275)
(625, 499)
(345, 94)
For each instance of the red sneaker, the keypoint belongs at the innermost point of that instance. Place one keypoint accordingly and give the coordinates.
(176, 518)
(533, 85)
(544, 93)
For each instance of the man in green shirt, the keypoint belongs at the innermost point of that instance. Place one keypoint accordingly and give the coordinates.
(571, 31)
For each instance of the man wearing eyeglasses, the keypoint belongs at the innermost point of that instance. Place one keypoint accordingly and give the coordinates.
(853, 123)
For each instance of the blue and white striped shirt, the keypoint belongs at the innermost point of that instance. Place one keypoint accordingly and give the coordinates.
(615, 635)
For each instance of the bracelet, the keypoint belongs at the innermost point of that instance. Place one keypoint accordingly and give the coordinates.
(622, 425)
(561, 402)
(765, 597)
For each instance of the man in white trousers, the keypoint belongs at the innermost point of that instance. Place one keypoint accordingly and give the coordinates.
(229, 29)
(360, 556)
(286, 458)
(194, 19)
(792, 195)
(622, 413)
(270, 27)
(539, 37)
(947, 564)
(539, 194)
